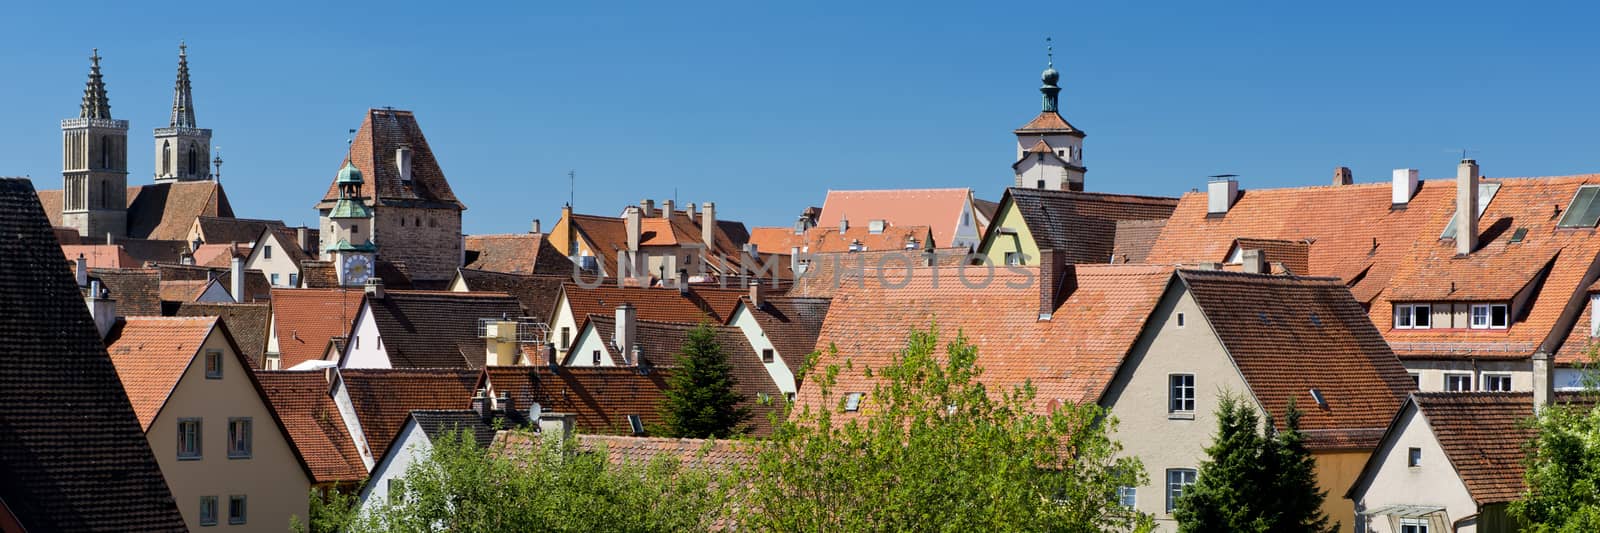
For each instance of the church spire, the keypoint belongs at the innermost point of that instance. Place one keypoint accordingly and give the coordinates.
(182, 96)
(95, 102)
(1049, 77)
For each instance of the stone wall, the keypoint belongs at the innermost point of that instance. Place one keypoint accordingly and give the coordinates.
(428, 241)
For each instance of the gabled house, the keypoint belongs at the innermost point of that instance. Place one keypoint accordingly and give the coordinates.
(374, 403)
(278, 251)
(1084, 225)
(689, 304)
(222, 448)
(606, 400)
(303, 321)
(423, 329)
(675, 241)
(312, 417)
(821, 275)
(55, 476)
(516, 253)
(949, 213)
(783, 330)
(415, 441)
(227, 230)
(248, 324)
(538, 294)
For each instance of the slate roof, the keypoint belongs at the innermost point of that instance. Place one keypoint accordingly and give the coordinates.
(55, 475)
(719, 455)
(1071, 358)
(382, 133)
(652, 303)
(939, 209)
(307, 318)
(792, 325)
(384, 398)
(1290, 335)
(312, 421)
(151, 354)
(825, 273)
(517, 253)
(1134, 240)
(1081, 224)
(248, 323)
(225, 230)
(601, 397)
(137, 291)
(428, 329)
(537, 294)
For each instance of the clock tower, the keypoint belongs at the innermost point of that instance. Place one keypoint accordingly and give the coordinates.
(350, 229)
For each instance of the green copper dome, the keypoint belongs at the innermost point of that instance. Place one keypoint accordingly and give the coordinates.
(1050, 76)
(349, 175)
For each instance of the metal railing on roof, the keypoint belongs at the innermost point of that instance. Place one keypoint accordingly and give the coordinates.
(1461, 348)
(527, 330)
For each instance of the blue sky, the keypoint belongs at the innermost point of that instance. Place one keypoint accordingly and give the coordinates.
(763, 108)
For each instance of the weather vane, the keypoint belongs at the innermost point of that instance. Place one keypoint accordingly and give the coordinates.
(1050, 51)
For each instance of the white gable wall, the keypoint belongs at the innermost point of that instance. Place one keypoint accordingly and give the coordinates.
(588, 341)
(412, 446)
(365, 348)
(1393, 482)
(746, 322)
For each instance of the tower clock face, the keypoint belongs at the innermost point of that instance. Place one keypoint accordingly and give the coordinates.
(357, 268)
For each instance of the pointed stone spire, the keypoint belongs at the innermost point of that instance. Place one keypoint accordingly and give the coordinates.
(95, 102)
(182, 96)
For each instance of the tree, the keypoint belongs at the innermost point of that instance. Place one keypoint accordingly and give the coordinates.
(1254, 481)
(932, 449)
(1562, 472)
(700, 398)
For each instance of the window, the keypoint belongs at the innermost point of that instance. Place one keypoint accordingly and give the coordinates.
(1416, 380)
(1486, 192)
(239, 438)
(1584, 210)
(1414, 457)
(273, 362)
(1180, 320)
(294, 279)
(852, 402)
(213, 364)
(236, 509)
(1041, 184)
(636, 424)
(357, 339)
(1177, 480)
(1413, 316)
(767, 356)
(1013, 258)
(1413, 525)
(1497, 382)
(1490, 316)
(789, 396)
(188, 438)
(1181, 393)
(266, 252)
(566, 338)
(1458, 382)
(275, 279)
(208, 510)
(355, 228)
(596, 358)
(1128, 496)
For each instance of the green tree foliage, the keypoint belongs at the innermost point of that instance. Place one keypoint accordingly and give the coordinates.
(933, 450)
(458, 486)
(1563, 472)
(1254, 481)
(700, 398)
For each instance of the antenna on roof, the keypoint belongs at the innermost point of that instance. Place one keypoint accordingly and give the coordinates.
(572, 187)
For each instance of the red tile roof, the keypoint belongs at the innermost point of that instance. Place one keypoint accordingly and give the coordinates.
(225, 230)
(437, 329)
(601, 397)
(792, 325)
(162, 211)
(1134, 239)
(716, 455)
(939, 209)
(775, 240)
(538, 294)
(151, 355)
(313, 422)
(183, 290)
(307, 318)
(606, 235)
(137, 291)
(382, 133)
(653, 303)
(247, 323)
(100, 255)
(1049, 122)
(1482, 434)
(1081, 224)
(383, 398)
(518, 253)
(825, 273)
(824, 239)
(1294, 255)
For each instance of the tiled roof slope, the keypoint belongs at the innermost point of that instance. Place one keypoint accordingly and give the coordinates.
(1071, 358)
(1048, 122)
(247, 322)
(1134, 239)
(792, 325)
(427, 329)
(100, 255)
(312, 421)
(1082, 224)
(824, 239)
(151, 353)
(717, 455)
(97, 474)
(307, 318)
(225, 230)
(518, 253)
(1579, 347)
(137, 291)
(1290, 335)
(289, 238)
(601, 397)
(383, 398)
(154, 251)
(609, 234)
(1483, 435)
(653, 303)
(661, 343)
(183, 290)
(775, 240)
(162, 211)
(1294, 255)
(1343, 222)
(939, 209)
(538, 294)
(826, 273)
(437, 423)
(382, 133)
(1553, 263)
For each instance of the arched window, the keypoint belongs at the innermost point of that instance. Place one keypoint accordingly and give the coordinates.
(166, 158)
(105, 153)
(194, 160)
(105, 195)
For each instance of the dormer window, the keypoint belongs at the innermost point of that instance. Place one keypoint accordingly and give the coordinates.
(1490, 316)
(1413, 316)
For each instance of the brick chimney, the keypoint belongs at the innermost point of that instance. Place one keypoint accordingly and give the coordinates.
(1405, 186)
(1254, 262)
(480, 403)
(1466, 207)
(1342, 176)
(757, 293)
(1057, 280)
(626, 331)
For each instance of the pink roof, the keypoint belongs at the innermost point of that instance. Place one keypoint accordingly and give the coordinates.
(939, 209)
(100, 255)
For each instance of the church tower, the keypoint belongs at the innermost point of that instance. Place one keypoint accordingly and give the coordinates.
(94, 164)
(352, 252)
(1049, 149)
(182, 148)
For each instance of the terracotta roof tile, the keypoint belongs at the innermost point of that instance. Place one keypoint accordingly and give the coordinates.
(307, 318)
(519, 253)
(383, 398)
(313, 422)
(792, 325)
(151, 354)
(382, 133)
(225, 230)
(1483, 435)
(100, 255)
(653, 303)
(184, 290)
(1294, 255)
(247, 323)
(1082, 224)
(1048, 122)
(824, 274)
(537, 294)
(1134, 239)
(166, 211)
(775, 240)
(137, 291)
(153, 251)
(824, 239)
(57, 476)
(318, 275)
(601, 397)
(717, 455)
(939, 209)
(428, 329)
(606, 235)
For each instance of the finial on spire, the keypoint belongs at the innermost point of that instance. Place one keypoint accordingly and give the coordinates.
(1050, 52)
(182, 92)
(218, 163)
(1049, 77)
(95, 103)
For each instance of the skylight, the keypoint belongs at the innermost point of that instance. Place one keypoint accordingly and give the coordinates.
(852, 402)
(1584, 210)
(636, 424)
(1486, 192)
(1321, 401)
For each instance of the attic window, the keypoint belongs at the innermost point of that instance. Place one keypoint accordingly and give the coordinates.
(1486, 193)
(1584, 210)
(1316, 320)
(1414, 457)
(1519, 235)
(636, 425)
(1316, 394)
(852, 402)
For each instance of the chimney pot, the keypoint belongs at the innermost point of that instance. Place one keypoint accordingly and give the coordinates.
(81, 270)
(1220, 195)
(480, 403)
(374, 288)
(647, 207)
(625, 330)
(536, 226)
(757, 293)
(668, 209)
(1405, 186)
(1543, 380)
(1466, 207)
(504, 403)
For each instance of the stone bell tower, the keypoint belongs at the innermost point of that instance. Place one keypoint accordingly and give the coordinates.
(94, 164)
(181, 147)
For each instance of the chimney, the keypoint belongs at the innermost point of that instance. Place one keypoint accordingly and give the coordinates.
(1342, 176)
(1543, 380)
(103, 310)
(1254, 262)
(1466, 207)
(633, 220)
(556, 426)
(238, 275)
(108, 239)
(625, 330)
(1405, 186)
(647, 208)
(536, 227)
(504, 403)
(549, 351)
(1220, 193)
(757, 294)
(81, 269)
(844, 225)
(683, 287)
(402, 159)
(708, 225)
(480, 403)
(688, 210)
(667, 209)
(374, 288)
(1057, 280)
